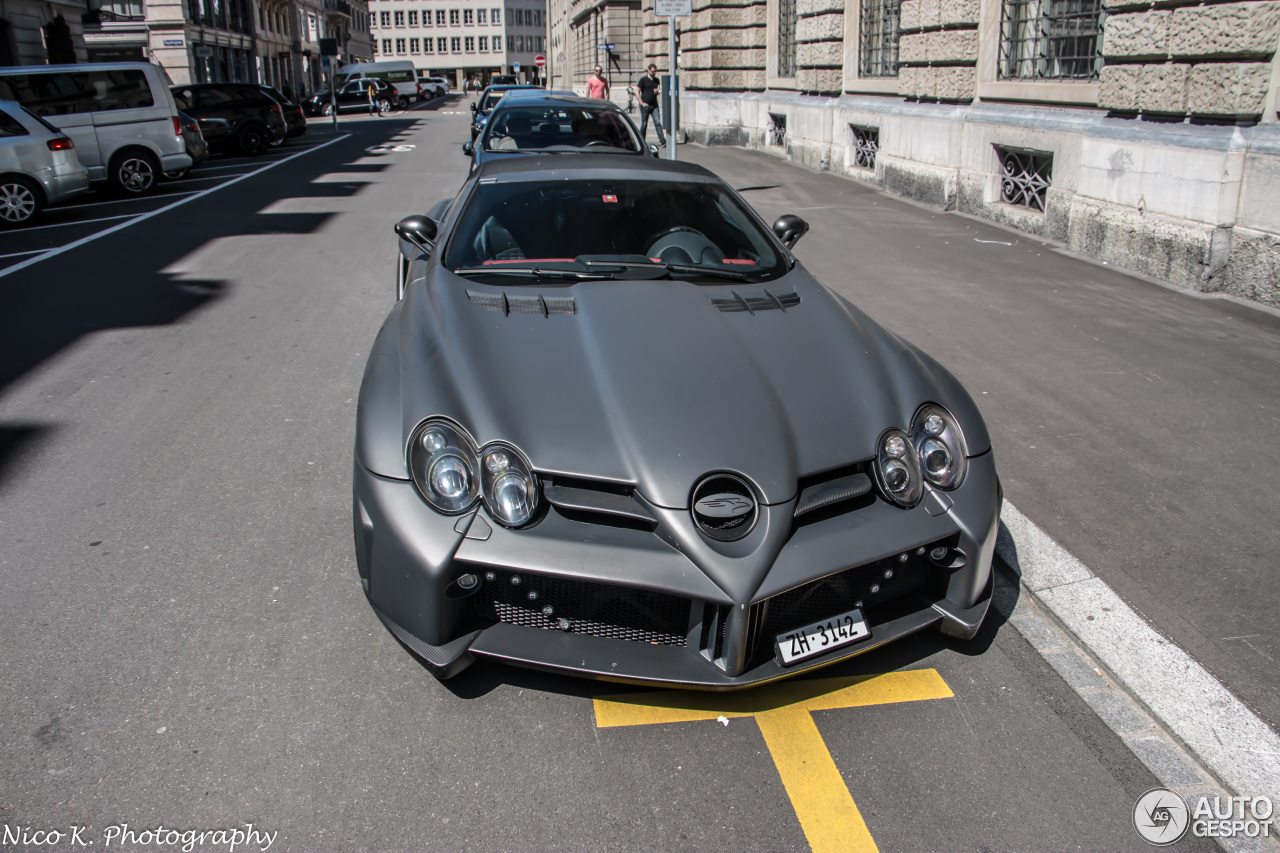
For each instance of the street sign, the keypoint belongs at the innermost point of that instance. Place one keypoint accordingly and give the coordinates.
(516, 66)
(204, 51)
(178, 42)
(324, 62)
(612, 46)
(284, 54)
(560, 56)
(539, 60)
(670, 8)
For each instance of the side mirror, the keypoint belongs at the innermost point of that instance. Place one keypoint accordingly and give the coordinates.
(790, 228)
(468, 148)
(418, 230)
(473, 106)
(653, 149)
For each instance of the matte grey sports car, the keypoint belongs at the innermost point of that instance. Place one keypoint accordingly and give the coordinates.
(613, 428)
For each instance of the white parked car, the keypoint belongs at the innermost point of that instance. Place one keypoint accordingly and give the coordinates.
(120, 115)
(433, 87)
(38, 166)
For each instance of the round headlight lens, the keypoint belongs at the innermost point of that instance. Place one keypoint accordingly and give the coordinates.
(897, 469)
(443, 465)
(509, 488)
(940, 444)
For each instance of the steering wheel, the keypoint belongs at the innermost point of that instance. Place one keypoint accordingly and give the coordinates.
(685, 245)
(673, 230)
(599, 142)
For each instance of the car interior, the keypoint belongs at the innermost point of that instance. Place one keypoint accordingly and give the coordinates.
(552, 128)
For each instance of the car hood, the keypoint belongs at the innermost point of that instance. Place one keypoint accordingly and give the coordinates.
(652, 383)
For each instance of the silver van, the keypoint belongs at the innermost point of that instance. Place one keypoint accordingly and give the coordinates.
(120, 115)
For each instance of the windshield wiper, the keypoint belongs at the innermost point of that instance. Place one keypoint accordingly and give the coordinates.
(536, 272)
(733, 275)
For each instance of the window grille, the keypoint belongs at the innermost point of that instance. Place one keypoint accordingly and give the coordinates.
(786, 38)
(1025, 177)
(777, 129)
(866, 143)
(1050, 39)
(878, 49)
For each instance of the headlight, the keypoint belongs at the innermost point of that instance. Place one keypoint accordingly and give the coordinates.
(443, 465)
(937, 438)
(508, 485)
(898, 468)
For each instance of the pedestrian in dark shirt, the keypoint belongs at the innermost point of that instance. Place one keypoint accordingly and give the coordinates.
(649, 85)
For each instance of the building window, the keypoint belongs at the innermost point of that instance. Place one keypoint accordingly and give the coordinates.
(777, 129)
(453, 17)
(467, 17)
(470, 44)
(413, 17)
(484, 44)
(426, 45)
(439, 17)
(480, 16)
(495, 16)
(399, 45)
(413, 46)
(386, 46)
(786, 38)
(1050, 39)
(519, 17)
(497, 44)
(1025, 177)
(455, 44)
(878, 50)
(866, 142)
(386, 18)
(399, 19)
(442, 46)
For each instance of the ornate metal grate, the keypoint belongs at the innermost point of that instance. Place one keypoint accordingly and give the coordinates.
(777, 129)
(878, 51)
(786, 38)
(866, 142)
(1050, 39)
(1025, 177)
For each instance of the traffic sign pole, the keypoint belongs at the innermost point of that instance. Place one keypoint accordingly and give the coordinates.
(675, 89)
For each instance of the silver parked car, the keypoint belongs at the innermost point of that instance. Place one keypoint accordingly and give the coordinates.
(38, 165)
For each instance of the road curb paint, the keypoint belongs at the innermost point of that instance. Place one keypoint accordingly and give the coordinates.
(821, 799)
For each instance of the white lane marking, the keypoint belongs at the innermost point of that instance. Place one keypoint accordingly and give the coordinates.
(83, 240)
(21, 254)
(389, 147)
(995, 242)
(155, 197)
(1218, 728)
(78, 222)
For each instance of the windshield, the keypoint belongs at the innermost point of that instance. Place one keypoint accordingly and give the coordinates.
(538, 128)
(587, 229)
(491, 101)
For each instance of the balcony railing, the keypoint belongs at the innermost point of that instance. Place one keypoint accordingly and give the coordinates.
(337, 7)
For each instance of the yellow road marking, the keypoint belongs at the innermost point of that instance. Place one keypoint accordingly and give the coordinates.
(826, 811)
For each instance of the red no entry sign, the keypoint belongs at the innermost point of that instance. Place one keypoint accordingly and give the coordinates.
(540, 60)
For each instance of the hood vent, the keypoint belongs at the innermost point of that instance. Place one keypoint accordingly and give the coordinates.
(752, 303)
(523, 303)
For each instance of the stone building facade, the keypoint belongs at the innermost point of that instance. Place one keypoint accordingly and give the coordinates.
(585, 33)
(1145, 134)
(39, 32)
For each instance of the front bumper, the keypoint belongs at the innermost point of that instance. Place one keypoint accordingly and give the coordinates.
(638, 610)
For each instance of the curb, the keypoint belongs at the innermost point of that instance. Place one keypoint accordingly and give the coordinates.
(1077, 616)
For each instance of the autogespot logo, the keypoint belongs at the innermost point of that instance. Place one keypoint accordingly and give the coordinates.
(724, 506)
(1161, 817)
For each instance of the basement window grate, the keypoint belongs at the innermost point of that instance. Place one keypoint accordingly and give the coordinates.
(777, 129)
(1025, 177)
(866, 142)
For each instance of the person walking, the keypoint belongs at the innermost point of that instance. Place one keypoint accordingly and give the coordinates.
(375, 103)
(597, 85)
(649, 85)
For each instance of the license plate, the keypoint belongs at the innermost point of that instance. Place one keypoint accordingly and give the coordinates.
(822, 637)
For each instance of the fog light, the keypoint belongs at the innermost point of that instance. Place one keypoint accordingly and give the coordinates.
(515, 580)
(563, 624)
(468, 581)
(938, 554)
(888, 573)
(533, 595)
(920, 551)
(548, 610)
(875, 587)
(902, 558)
(491, 576)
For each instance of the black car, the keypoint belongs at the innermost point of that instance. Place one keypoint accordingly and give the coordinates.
(193, 139)
(484, 105)
(254, 119)
(353, 97)
(526, 123)
(295, 119)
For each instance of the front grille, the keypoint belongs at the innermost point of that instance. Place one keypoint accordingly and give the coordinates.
(842, 592)
(582, 607)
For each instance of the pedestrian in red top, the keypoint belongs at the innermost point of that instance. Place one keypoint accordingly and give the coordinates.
(597, 85)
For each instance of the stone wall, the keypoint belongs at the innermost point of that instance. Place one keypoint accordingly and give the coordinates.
(820, 46)
(938, 50)
(1211, 61)
(722, 45)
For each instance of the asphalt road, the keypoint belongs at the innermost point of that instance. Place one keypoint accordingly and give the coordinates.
(183, 636)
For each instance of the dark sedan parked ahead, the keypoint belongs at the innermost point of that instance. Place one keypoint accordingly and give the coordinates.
(254, 119)
(354, 97)
(485, 104)
(614, 428)
(526, 123)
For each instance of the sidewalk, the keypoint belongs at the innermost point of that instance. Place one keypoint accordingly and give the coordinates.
(1132, 423)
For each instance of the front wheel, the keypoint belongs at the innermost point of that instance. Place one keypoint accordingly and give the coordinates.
(20, 201)
(384, 106)
(134, 173)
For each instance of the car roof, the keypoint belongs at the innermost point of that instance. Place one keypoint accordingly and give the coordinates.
(593, 166)
(543, 98)
(76, 66)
